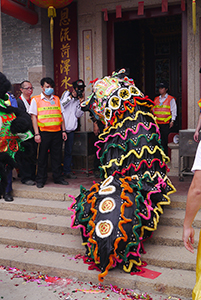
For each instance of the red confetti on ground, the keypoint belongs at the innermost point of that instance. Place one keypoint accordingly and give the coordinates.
(58, 282)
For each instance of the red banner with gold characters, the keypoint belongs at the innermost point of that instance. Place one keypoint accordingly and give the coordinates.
(65, 48)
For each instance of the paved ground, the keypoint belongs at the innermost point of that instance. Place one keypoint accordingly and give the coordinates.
(18, 289)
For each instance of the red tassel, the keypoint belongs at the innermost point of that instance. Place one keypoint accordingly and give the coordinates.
(164, 5)
(140, 8)
(118, 11)
(183, 6)
(93, 81)
(105, 14)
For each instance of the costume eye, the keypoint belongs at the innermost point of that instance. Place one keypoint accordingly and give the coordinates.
(124, 94)
(134, 91)
(114, 102)
(108, 113)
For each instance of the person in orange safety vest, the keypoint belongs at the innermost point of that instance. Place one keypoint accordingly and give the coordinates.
(47, 118)
(165, 111)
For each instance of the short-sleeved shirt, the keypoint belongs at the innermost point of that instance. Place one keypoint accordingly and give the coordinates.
(33, 106)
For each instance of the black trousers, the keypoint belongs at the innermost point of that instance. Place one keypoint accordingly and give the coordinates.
(50, 141)
(164, 130)
(27, 168)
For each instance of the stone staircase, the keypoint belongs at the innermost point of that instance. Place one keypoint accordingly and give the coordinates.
(35, 235)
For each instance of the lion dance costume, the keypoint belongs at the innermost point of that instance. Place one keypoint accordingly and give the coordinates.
(118, 214)
(15, 138)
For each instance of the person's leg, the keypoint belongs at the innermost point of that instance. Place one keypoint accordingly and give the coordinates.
(194, 193)
(27, 171)
(164, 131)
(56, 154)
(196, 294)
(9, 181)
(8, 192)
(43, 157)
(68, 152)
(33, 164)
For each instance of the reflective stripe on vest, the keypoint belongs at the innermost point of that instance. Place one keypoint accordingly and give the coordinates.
(49, 115)
(162, 112)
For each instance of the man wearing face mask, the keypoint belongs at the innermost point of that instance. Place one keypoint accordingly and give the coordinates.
(49, 130)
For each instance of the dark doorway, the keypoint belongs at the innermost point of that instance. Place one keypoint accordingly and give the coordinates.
(149, 37)
(151, 49)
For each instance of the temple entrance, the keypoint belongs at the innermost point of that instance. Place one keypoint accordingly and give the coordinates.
(152, 50)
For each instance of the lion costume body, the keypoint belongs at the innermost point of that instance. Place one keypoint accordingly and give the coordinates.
(118, 214)
(15, 136)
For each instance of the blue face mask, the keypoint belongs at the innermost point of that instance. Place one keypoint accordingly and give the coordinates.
(49, 91)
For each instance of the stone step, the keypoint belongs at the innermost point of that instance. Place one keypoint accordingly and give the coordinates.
(171, 236)
(34, 221)
(37, 206)
(175, 217)
(170, 257)
(62, 193)
(174, 282)
(59, 207)
(55, 193)
(46, 241)
(177, 201)
(164, 235)
(157, 255)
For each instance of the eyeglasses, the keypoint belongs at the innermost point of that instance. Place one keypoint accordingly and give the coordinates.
(29, 88)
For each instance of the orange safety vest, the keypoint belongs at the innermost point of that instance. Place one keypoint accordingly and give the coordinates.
(162, 112)
(49, 115)
(199, 103)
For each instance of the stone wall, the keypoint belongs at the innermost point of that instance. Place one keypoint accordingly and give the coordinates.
(26, 48)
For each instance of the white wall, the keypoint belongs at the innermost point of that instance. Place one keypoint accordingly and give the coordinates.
(193, 66)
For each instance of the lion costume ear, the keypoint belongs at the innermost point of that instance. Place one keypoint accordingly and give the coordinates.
(121, 73)
(5, 86)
